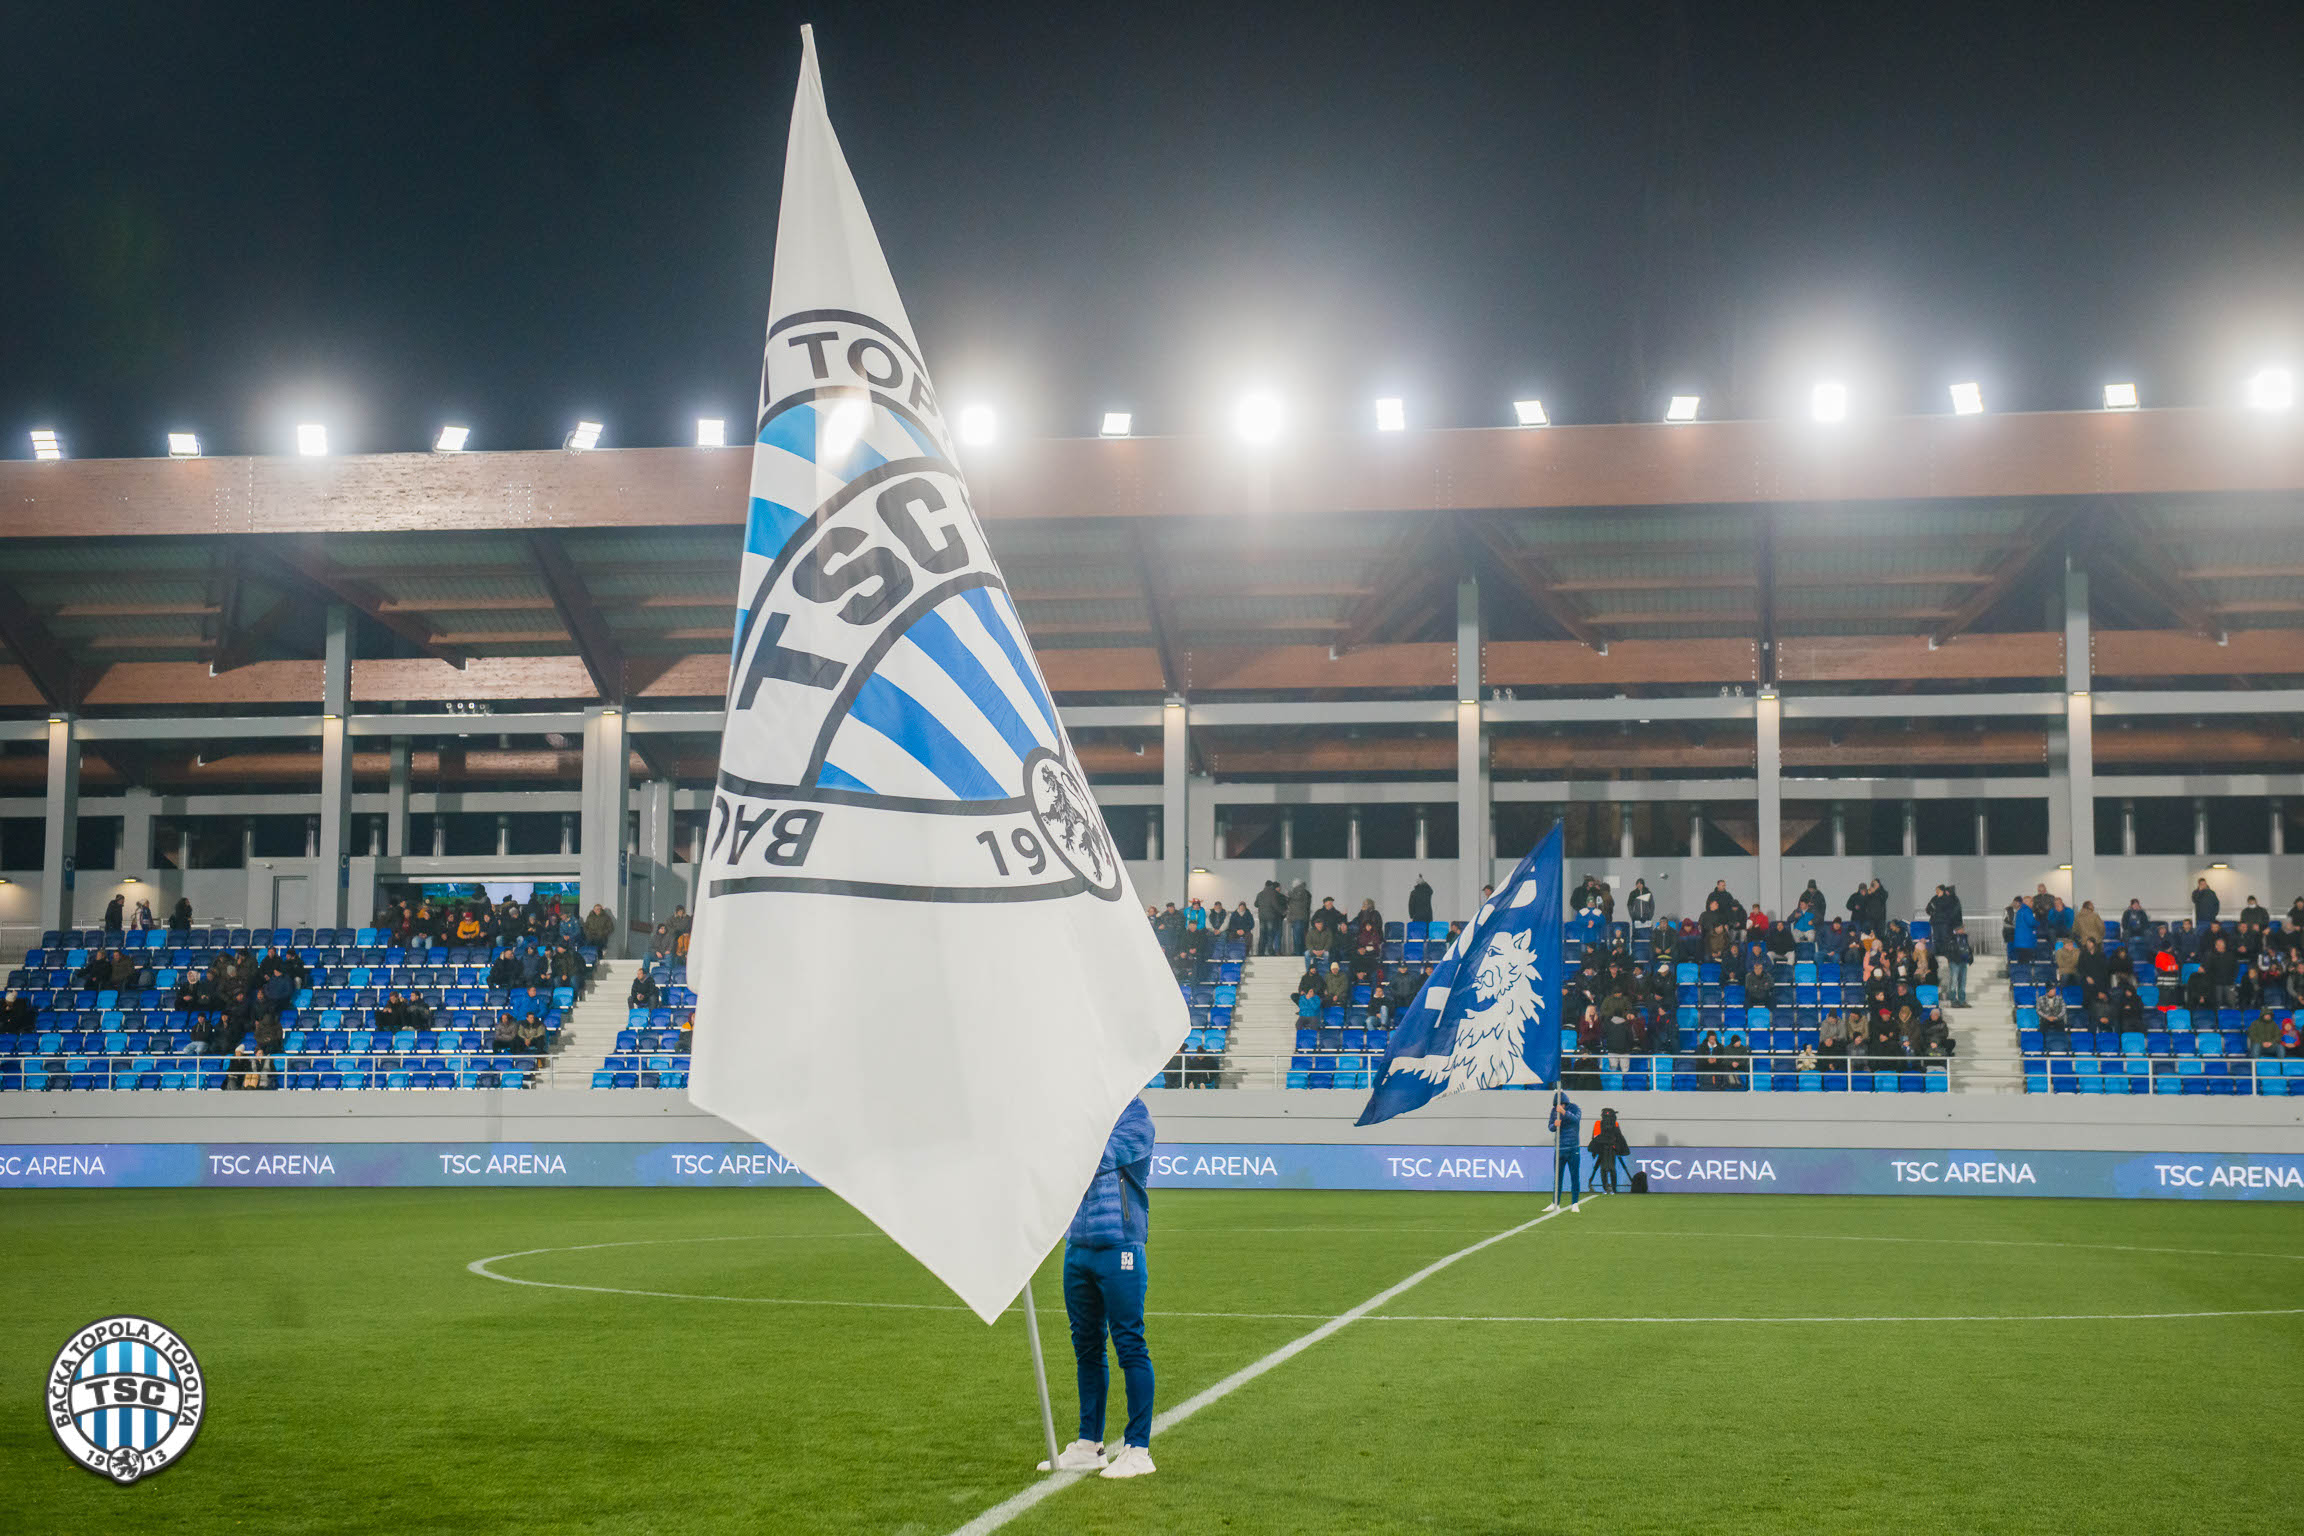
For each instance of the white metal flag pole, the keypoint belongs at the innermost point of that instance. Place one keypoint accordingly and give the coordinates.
(1040, 1374)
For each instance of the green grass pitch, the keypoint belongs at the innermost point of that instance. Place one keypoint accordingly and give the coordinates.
(362, 1379)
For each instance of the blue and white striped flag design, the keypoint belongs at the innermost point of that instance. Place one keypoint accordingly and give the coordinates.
(1489, 1014)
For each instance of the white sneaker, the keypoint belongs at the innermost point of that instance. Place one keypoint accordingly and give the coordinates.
(1079, 1456)
(1555, 1205)
(1133, 1461)
(1578, 1206)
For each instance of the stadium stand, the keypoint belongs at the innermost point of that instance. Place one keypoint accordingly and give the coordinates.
(308, 1009)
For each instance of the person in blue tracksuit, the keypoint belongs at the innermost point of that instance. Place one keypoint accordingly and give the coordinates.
(1566, 1121)
(1104, 1279)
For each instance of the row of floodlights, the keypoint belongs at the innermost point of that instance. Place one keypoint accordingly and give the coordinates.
(1259, 418)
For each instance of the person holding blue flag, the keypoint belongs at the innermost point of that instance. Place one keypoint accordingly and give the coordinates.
(1566, 1122)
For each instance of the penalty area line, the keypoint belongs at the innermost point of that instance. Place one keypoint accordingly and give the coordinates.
(1056, 1482)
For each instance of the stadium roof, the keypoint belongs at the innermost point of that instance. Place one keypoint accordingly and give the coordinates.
(1665, 557)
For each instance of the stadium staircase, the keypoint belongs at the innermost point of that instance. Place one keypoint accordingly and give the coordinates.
(1989, 1059)
(590, 1029)
(1264, 1022)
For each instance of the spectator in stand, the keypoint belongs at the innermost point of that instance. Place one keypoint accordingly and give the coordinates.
(2088, 924)
(1310, 999)
(2050, 1007)
(1299, 915)
(1271, 915)
(2270, 974)
(2252, 915)
(2264, 1035)
(1337, 985)
(2023, 930)
(644, 993)
(505, 972)
(1327, 929)
(2291, 1037)
(468, 928)
(2205, 906)
(2296, 920)
(1400, 991)
(2135, 922)
(1759, 985)
(506, 1035)
(2222, 967)
(1420, 901)
(1242, 928)
(599, 926)
(180, 916)
(1640, 905)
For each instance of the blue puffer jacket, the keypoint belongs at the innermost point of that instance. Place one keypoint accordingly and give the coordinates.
(1115, 1211)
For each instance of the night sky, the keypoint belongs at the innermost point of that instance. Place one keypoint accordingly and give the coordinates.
(229, 217)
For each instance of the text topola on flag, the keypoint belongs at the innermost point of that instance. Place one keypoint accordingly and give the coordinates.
(921, 970)
(1489, 1014)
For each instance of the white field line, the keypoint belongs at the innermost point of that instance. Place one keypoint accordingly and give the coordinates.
(1000, 1514)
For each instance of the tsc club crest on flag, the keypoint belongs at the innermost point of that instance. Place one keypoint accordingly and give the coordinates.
(921, 970)
(1489, 1014)
(125, 1397)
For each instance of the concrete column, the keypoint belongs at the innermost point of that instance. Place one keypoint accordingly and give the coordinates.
(2079, 732)
(2199, 826)
(1624, 832)
(1424, 831)
(439, 835)
(567, 833)
(606, 799)
(1352, 832)
(1911, 828)
(1983, 829)
(332, 875)
(396, 805)
(1839, 830)
(60, 842)
(1472, 831)
(1696, 830)
(1287, 831)
(656, 853)
(2128, 827)
(1769, 717)
(136, 836)
(503, 833)
(1175, 834)
(2279, 843)
(1152, 837)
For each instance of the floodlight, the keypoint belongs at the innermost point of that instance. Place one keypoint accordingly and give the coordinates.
(451, 439)
(1391, 414)
(183, 445)
(1257, 417)
(1682, 408)
(312, 439)
(2119, 397)
(1117, 424)
(1968, 399)
(2272, 389)
(711, 432)
(1828, 401)
(978, 425)
(585, 438)
(842, 428)
(45, 444)
(1531, 413)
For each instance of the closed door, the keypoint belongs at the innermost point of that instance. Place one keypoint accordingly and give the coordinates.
(291, 901)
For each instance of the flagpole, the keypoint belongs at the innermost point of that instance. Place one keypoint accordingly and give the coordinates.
(1040, 1374)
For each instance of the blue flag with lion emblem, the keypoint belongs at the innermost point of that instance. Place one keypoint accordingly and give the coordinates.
(1489, 1014)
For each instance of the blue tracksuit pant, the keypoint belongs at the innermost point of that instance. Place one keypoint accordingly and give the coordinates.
(1568, 1172)
(1104, 1293)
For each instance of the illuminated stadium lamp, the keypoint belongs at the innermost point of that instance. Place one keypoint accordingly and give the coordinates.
(45, 444)
(1257, 418)
(312, 440)
(1530, 413)
(1968, 399)
(2219, 866)
(183, 445)
(978, 426)
(1116, 424)
(584, 439)
(1828, 401)
(711, 432)
(2119, 397)
(2272, 389)
(1682, 408)
(451, 439)
(1391, 414)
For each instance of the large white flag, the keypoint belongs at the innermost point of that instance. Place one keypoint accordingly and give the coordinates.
(921, 971)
